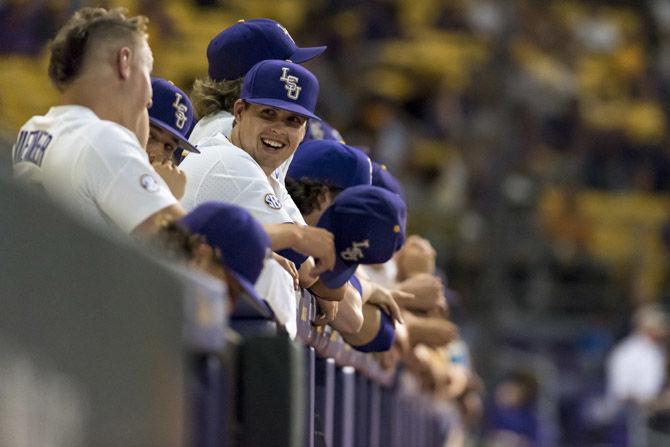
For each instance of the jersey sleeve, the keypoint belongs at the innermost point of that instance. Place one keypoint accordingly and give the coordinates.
(119, 177)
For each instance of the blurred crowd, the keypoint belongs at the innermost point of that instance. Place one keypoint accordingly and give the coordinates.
(532, 142)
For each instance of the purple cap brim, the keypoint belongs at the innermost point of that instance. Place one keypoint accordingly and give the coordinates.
(183, 143)
(284, 105)
(340, 274)
(258, 304)
(305, 54)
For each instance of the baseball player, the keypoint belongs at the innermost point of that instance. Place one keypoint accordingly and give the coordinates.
(321, 130)
(277, 98)
(171, 119)
(320, 170)
(230, 55)
(88, 152)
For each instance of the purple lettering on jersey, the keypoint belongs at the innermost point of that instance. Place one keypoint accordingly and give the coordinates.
(31, 146)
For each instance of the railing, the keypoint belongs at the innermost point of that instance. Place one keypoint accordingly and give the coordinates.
(334, 395)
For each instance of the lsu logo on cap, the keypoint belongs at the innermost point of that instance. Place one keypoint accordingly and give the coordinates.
(180, 114)
(354, 253)
(272, 201)
(290, 84)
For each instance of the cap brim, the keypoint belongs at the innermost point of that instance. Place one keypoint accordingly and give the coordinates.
(251, 305)
(340, 274)
(305, 54)
(183, 143)
(284, 105)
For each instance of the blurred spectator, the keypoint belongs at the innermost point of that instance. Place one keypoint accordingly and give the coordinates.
(512, 415)
(27, 25)
(636, 367)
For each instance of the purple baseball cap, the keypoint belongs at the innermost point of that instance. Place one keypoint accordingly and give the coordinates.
(368, 223)
(331, 163)
(243, 242)
(383, 178)
(236, 49)
(282, 84)
(171, 110)
(321, 130)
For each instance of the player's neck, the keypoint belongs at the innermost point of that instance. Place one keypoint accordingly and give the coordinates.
(102, 101)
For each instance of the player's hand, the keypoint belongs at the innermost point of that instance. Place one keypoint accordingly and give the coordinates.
(327, 312)
(289, 266)
(385, 299)
(430, 331)
(428, 291)
(319, 244)
(416, 256)
(173, 176)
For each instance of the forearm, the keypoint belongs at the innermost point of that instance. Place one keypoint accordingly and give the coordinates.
(281, 235)
(349, 317)
(304, 277)
(324, 292)
(152, 224)
(368, 330)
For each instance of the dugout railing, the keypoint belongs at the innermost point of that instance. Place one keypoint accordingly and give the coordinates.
(103, 344)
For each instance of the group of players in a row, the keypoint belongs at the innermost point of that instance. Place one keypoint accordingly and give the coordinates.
(259, 192)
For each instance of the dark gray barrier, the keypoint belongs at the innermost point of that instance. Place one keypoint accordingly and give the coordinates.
(90, 335)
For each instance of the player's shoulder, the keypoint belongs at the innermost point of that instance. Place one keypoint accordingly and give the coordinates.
(222, 148)
(106, 133)
(211, 125)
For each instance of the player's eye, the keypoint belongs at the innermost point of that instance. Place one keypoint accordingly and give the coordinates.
(296, 120)
(268, 113)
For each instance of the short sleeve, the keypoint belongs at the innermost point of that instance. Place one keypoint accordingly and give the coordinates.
(117, 174)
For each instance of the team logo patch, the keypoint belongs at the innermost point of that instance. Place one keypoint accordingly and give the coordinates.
(272, 201)
(149, 183)
(354, 253)
(290, 84)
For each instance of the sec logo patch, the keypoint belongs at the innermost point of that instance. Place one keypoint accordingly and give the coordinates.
(149, 183)
(272, 201)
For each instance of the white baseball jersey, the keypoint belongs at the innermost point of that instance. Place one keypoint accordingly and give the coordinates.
(96, 169)
(275, 285)
(210, 125)
(222, 122)
(224, 172)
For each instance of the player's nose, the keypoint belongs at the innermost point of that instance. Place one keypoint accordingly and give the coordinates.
(278, 128)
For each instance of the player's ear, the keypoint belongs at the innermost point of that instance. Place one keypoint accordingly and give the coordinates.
(202, 256)
(303, 131)
(238, 107)
(124, 57)
(324, 199)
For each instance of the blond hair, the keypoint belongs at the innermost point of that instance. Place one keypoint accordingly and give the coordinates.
(210, 96)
